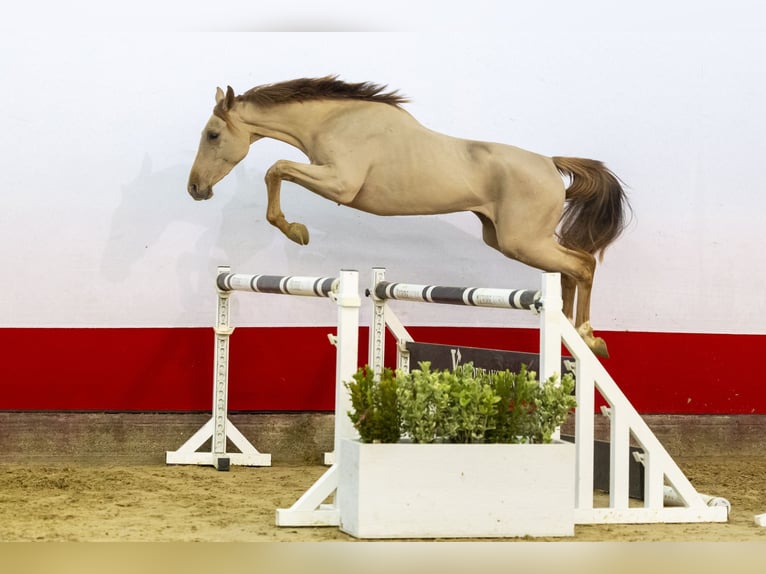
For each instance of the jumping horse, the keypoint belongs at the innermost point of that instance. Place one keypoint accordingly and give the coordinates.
(367, 152)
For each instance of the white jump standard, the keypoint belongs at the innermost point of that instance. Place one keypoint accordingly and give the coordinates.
(219, 428)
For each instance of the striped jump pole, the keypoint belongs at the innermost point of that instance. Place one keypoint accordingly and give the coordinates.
(469, 296)
(536, 301)
(276, 284)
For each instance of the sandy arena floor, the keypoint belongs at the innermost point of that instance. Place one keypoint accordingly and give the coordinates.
(174, 503)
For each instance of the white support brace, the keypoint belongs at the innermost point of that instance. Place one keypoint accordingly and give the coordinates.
(625, 422)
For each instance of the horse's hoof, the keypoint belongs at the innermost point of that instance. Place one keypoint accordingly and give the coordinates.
(299, 233)
(595, 344)
(598, 346)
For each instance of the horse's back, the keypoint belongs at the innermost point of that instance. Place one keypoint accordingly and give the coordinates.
(411, 169)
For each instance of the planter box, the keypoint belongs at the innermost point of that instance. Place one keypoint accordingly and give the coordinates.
(456, 490)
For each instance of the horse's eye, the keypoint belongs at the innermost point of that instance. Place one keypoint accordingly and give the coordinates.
(212, 136)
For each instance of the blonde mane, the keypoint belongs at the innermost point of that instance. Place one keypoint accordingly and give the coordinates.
(326, 88)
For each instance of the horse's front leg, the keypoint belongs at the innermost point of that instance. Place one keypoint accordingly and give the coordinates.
(295, 231)
(331, 182)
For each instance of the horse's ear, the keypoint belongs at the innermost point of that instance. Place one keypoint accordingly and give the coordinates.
(218, 95)
(229, 98)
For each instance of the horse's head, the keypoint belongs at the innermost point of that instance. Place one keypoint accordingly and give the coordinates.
(223, 145)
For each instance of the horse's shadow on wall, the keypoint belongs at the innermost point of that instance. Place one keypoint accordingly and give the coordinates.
(158, 226)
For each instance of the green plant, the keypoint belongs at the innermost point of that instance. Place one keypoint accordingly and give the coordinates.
(467, 405)
(375, 411)
(423, 398)
(456, 406)
(530, 411)
(553, 402)
(472, 406)
(514, 418)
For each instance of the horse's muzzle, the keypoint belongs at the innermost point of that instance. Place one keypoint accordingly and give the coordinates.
(199, 193)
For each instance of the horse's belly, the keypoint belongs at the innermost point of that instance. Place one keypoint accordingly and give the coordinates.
(420, 188)
(408, 200)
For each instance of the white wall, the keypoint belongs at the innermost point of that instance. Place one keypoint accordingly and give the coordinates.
(101, 112)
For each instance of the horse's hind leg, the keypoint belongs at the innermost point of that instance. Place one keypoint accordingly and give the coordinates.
(576, 267)
(568, 282)
(488, 233)
(584, 288)
(568, 288)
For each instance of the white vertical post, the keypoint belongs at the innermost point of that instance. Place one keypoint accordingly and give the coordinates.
(223, 331)
(348, 301)
(619, 458)
(585, 393)
(550, 330)
(654, 488)
(377, 341)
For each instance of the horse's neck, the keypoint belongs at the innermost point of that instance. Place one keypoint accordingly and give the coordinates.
(295, 124)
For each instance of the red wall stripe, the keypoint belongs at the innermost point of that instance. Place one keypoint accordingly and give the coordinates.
(292, 369)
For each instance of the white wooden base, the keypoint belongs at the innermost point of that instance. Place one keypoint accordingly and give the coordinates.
(674, 515)
(311, 509)
(189, 453)
(456, 490)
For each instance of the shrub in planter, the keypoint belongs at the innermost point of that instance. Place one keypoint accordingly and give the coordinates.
(375, 411)
(457, 406)
(529, 411)
(457, 490)
(466, 405)
(473, 405)
(553, 403)
(423, 398)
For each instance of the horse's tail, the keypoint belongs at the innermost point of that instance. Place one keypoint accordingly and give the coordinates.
(597, 207)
